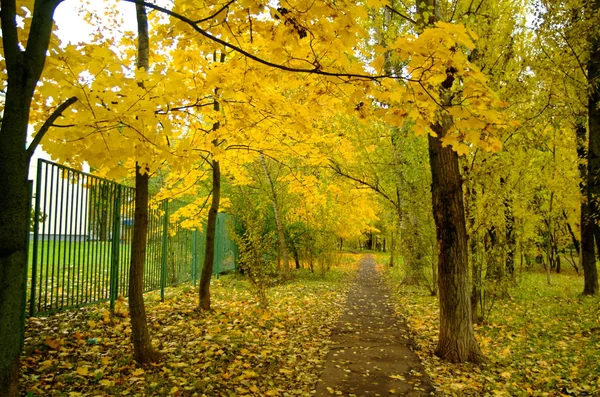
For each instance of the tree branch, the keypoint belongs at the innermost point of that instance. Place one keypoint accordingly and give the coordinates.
(48, 123)
(216, 13)
(409, 19)
(10, 39)
(338, 170)
(316, 70)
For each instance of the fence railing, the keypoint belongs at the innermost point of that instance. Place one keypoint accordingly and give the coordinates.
(80, 246)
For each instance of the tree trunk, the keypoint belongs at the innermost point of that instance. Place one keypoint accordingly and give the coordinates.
(392, 248)
(590, 271)
(296, 256)
(143, 351)
(211, 226)
(456, 341)
(279, 224)
(476, 279)
(585, 248)
(511, 243)
(14, 213)
(549, 250)
(456, 337)
(23, 71)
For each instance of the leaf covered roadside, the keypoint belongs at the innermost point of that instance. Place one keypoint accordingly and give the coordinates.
(540, 340)
(236, 349)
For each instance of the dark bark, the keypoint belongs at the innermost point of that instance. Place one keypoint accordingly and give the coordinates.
(23, 71)
(511, 242)
(392, 248)
(211, 226)
(585, 248)
(590, 270)
(296, 256)
(211, 222)
(456, 342)
(143, 352)
(456, 337)
(476, 298)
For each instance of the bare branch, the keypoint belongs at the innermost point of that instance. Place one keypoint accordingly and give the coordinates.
(409, 19)
(216, 13)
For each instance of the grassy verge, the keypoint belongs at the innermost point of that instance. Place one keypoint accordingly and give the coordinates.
(540, 341)
(236, 349)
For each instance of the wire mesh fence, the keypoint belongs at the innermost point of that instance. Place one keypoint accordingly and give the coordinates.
(80, 244)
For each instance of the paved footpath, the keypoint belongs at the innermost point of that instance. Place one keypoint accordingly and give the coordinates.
(371, 355)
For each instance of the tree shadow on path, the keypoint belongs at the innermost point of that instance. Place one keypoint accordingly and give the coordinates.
(371, 354)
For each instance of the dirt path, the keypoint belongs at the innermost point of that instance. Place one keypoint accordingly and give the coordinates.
(371, 355)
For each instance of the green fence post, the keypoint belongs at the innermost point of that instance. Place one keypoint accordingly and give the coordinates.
(115, 247)
(165, 250)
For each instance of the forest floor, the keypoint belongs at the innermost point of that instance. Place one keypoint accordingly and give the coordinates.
(372, 353)
(539, 339)
(236, 349)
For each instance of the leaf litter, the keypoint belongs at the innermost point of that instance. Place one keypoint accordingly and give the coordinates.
(541, 341)
(235, 349)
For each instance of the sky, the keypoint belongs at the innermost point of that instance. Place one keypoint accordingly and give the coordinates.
(73, 29)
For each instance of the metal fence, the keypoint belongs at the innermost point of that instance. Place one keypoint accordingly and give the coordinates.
(80, 246)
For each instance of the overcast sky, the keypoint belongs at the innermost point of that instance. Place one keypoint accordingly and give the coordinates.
(71, 26)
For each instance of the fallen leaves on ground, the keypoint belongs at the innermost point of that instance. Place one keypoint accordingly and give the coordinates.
(540, 341)
(236, 349)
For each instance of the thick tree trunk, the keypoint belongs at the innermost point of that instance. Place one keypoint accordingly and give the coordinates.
(279, 224)
(590, 271)
(585, 248)
(588, 257)
(211, 227)
(456, 338)
(456, 341)
(23, 71)
(14, 213)
(143, 352)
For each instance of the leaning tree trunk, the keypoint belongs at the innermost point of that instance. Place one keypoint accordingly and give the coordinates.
(211, 222)
(590, 271)
(23, 69)
(211, 226)
(143, 352)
